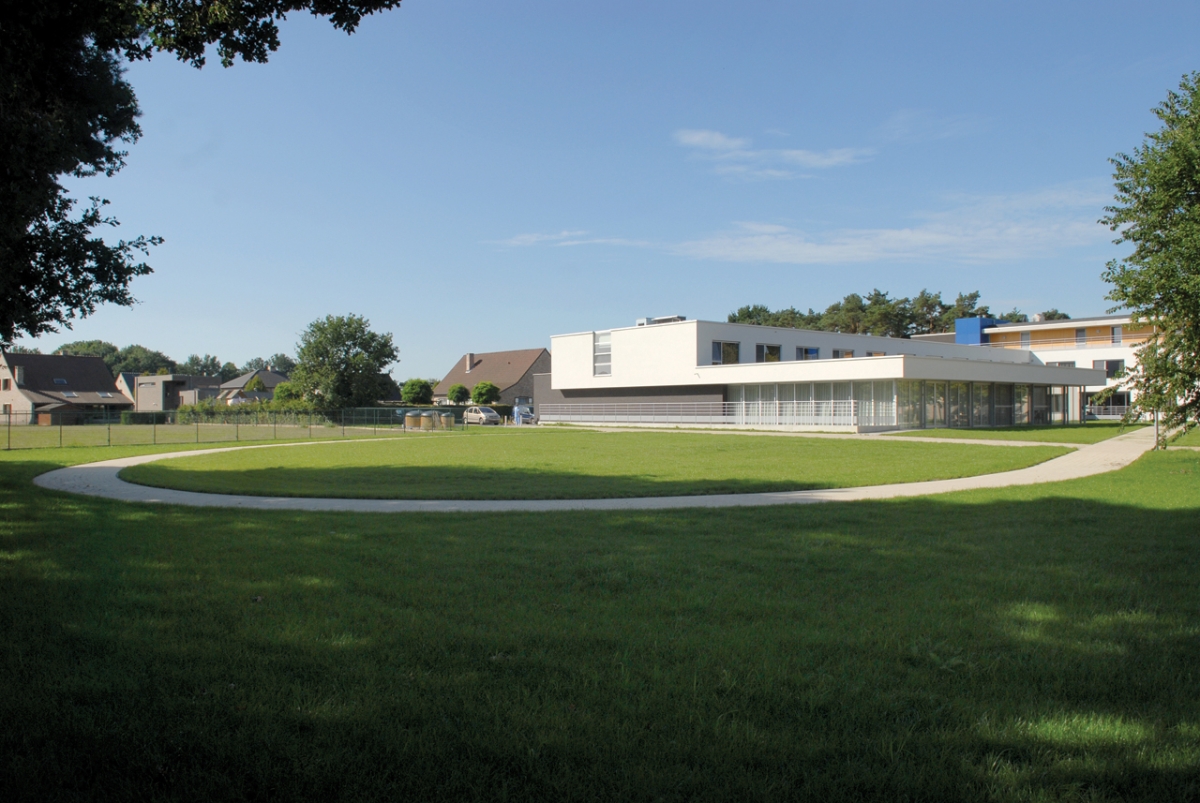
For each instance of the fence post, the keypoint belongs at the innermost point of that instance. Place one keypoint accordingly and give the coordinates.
(236, 420)
(310, 426)
(9, 442)
(375, 422)
(197, 427)
(274, 425)
(108, 434)
(60, 426)
(154, 429)
(343, 422)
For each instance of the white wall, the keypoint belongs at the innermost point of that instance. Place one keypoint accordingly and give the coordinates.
(680, 354)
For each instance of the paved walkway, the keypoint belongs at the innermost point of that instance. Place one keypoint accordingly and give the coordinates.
(100, 479)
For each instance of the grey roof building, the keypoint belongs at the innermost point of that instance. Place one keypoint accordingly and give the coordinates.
(30, 383)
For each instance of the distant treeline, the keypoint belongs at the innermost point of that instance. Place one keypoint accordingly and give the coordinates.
(141, 360)
(879, 314)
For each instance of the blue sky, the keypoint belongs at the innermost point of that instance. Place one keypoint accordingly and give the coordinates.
(477, 176)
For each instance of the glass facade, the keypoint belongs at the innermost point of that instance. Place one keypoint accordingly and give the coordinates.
(916, 404)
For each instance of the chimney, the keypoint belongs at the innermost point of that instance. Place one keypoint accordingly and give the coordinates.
(470, 360)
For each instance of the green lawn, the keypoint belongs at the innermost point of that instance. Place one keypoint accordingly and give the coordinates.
(1091, 432)
(1190, 439)
(558, 464)
(1034, 643)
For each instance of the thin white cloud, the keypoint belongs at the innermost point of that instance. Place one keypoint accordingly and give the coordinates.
(916, 125)
(970, 229)
(975, 229)
(535, 239)
(734, 156)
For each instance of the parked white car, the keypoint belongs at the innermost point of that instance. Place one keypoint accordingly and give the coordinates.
(481, 415)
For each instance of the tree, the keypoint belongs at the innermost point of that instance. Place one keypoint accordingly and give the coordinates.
(1157, 211)
(965, 306)
(279, 363)
(92, 348)
(230, 371)
(287, 392)
(141, 360)
(458, 393)
(417, 391)
(1054, 315)
(485, 393)
(68, 111)
(256, 385)
(1016, 316)
(341, 362)
(928, 313)
(195, 365)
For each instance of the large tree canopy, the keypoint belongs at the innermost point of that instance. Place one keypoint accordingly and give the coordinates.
(879, 314)
(66, 111)
(1157, 211)
(340, 363)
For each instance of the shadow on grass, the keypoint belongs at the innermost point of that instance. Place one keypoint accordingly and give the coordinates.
(443, 482)
(486, 482)
(990, 646)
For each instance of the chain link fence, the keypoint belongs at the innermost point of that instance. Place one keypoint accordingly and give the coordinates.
(40, 430)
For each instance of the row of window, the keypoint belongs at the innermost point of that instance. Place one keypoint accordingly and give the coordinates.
(727, 353)
(1116, 335)
(1111, 368)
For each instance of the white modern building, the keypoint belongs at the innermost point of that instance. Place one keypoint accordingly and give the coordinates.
(1108, 344)
(705, 373)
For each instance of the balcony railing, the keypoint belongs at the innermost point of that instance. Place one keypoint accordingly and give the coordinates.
(1095, 341)
(737, 414)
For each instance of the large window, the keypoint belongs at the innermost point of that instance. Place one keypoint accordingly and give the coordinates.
(1117, 334)
(1025, 340)
(602, 354)
(1003, 405)
(1041, 405)
(725, 353)
(806, 353)
(1022, 409)
(1110, 367)
(981, 405)
(1081, 337)
(765, 353)
(908, 394)
(958, 404)
(843, 354)
(935, 404)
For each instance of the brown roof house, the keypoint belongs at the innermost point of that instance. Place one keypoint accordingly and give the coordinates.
(511, 371)
(33, 384)
(234, 391)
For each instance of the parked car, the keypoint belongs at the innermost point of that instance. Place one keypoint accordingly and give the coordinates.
(481, 415)
(523, 415)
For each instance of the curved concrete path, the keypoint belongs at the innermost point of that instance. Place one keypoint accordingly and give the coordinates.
(100, 479)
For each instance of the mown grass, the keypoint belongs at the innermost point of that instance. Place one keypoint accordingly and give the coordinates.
(573, 464)
(1035, 643)
(1188, 439)
(1091, 432)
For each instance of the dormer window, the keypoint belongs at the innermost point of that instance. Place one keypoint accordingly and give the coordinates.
(60, 381)
(70, 394)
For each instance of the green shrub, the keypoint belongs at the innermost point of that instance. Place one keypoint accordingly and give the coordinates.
(485, 393)
(417, 391)
(459, 394)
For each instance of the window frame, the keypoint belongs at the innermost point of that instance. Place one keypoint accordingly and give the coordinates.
(719, 348)
(762, 352)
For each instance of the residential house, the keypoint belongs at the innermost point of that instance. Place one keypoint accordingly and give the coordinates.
(511, 371)
(159, 392)
(44, 387)
(234, 391)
